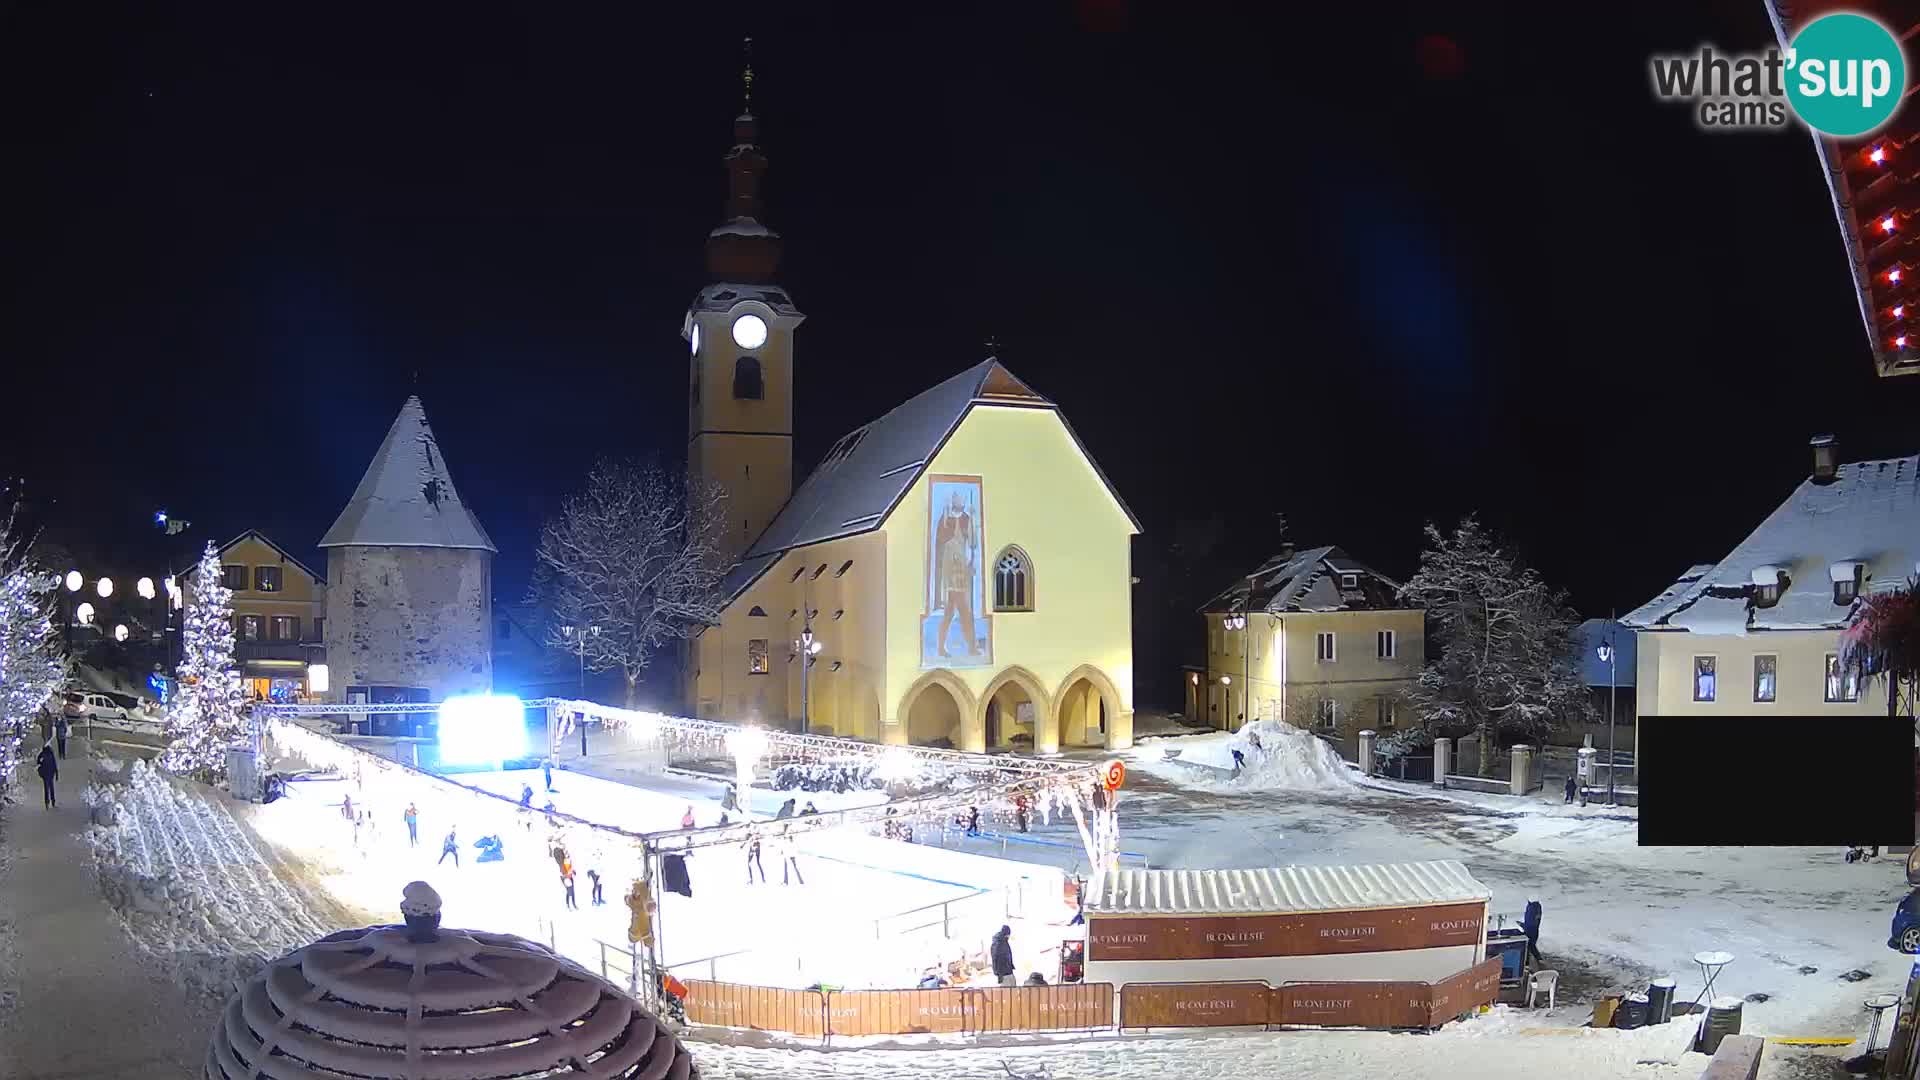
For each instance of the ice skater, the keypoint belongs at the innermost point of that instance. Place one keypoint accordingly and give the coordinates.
(566, 879)
(753, 858)
(973, 821)
(686, 819)
(451, 846)
(810, 809)
(1020, 812)
(788, 859)
(48, 767)
(1253, 740)
(526, 795)
(599, 900)
(1003, 956)
(546, 769)
(786, 810)
(412, 817)
(346, 808)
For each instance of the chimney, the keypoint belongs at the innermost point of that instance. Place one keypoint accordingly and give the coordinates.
(1286, 551)
(1826, 459)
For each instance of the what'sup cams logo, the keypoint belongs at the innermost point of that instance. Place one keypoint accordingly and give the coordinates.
(1843, 75)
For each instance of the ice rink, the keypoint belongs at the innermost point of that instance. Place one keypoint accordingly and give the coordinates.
(858, 910)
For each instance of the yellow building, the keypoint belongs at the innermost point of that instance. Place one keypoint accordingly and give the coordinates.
(279, 613)
(1315, 638)
(1760, 630)
(957, 572)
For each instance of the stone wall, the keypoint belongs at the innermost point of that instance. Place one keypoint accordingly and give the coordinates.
(406, 616)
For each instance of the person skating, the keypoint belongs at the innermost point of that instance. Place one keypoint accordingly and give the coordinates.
(786, 810)
(48, 767)
(546, 769)
(686, 819)
(412, 817)
(526, 796)
(598, 899)
(1571, 783)
(1003, 956)
(810, 809)
(1079, 903)
(731, 799)
(62, 728)
(973, 821)
(789, 860)
(1020, 811)
(753, 858)
(451, 846)
(566, 879)
(1530, 925)
(346, 808)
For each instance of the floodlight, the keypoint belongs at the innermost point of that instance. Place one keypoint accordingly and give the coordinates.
(482, 729)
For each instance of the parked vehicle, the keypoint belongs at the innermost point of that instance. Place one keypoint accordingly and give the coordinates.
(83, 705)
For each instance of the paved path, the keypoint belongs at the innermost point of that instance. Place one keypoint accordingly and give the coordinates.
(86, 1004)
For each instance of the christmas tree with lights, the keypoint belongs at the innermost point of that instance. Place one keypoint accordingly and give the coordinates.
(205, 717)
(31, 666)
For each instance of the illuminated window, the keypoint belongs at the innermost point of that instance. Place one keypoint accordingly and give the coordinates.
(757, 656)
(251, 627)
(1324, 647)
(1843, 683)
(286, 628)
(1012, 581)
(1766, 678)
(1703, 678)
(266, 579)
(234, 577)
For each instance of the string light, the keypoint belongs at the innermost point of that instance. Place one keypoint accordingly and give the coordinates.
(1894, 276)
(1900, 342)
(1887, 224)
(1899, 311)
(1878, 155)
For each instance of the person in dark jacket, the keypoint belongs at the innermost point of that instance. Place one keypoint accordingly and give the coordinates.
(1002, 953)
(786, 809)
(1530, 925)
(526, 795)
(546, 769)
(809, 809)
(61, 729)
(594, 876)
(973, 821)
(753, 859)
(1571, 785)
(450, 846)
(1239, 761)
(48, 767)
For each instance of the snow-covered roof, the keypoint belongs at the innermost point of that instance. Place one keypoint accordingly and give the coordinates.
(407, 497)
(871, 468)
(1310, 580)
(722, 295)
(319, 579)
(1869, 514)
(1286, 889)
(742, 226)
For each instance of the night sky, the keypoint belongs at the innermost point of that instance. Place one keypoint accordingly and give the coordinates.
(1364, 269)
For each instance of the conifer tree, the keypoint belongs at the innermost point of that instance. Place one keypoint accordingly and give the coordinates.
(205, 717)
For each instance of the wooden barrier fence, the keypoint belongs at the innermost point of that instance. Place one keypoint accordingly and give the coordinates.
(1090, 1006)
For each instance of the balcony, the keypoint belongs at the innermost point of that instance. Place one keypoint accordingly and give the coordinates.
(302, 651)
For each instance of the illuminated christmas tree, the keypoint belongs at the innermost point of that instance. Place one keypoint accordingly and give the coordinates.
(31, 666)
(205, 717)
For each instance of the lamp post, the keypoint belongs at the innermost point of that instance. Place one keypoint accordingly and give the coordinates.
(74, 582)
(579, 637)
(1610, 658)
(808, 647)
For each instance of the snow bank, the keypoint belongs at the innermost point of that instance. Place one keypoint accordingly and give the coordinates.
(1286, 758)
(189, 884)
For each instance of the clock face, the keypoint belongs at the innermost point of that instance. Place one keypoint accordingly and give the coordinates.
(694, 339)
(749, 332)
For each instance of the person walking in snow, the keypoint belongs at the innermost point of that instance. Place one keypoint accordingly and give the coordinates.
(731, 799)
(451, 846)
(526, 796)
(61, 729)
(1530, 925)
(786, 810)
(48, 767)
(1571, 784)
(1020, 812)
(412, 817)
(1253, 740)
(686, 819)
(566, 879)
(1239, 761)
(346, 808)
(598, 899)
(753, 858)
(358, 820)
(1002, 953)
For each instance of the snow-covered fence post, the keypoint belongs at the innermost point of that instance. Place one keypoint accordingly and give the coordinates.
(1517, 769)
(1442, 761)
(1366, 752)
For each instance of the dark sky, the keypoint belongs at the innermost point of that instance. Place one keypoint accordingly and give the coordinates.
(1262, 265)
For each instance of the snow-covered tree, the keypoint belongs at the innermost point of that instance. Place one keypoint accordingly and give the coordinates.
(636, 554)
(1883, 643)
(206, 716)
(1502, 652)
(32, 667)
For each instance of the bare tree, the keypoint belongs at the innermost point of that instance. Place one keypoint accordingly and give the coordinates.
(1507, 662)
(637, 554)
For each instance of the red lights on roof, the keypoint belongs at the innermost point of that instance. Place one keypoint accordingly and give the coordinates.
(1877, 155)
(1900, 342)
(1887, 224)
(1899, 311)
(1894, 275)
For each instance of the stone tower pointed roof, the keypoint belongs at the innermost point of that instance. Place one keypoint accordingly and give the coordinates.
(407, 498)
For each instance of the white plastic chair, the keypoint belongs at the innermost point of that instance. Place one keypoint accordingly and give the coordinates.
(1547, 981)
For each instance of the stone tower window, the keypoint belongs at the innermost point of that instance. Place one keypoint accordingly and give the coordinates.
(747, 384)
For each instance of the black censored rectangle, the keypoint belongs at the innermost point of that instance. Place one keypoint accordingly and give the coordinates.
(1776, 781)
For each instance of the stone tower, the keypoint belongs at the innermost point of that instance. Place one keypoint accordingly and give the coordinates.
(409, 574)
(740, 331)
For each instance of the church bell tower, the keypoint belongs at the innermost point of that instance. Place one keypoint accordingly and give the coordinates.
(740, 333)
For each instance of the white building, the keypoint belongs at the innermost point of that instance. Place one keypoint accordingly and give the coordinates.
(1759, 631)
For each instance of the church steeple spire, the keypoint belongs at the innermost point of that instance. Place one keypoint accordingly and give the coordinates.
(742, 249)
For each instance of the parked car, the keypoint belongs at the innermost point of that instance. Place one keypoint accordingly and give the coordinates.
(83, 705)
(1906, 925)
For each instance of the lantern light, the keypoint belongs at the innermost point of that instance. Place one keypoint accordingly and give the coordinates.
(74, 581)
(1900, 342)
(144, 587)
(1226, 680)
(105, 587)
(83, 614)
(120, 632)
(1894, 275)
(317, 681)
(1899, 311)
(1886, 223)
(1878, 155)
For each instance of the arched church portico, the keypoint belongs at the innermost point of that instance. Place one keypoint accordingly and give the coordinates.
(1088, 711)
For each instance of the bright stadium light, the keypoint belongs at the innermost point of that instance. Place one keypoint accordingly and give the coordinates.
(482, 729)
(317, 679)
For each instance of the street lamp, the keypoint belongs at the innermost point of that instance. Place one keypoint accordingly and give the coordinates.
(84, 613)
(808, 647)
(105, 588)
(579, 638)
(1610, 658)
(74, 581)
(120, 632)
(144, 587)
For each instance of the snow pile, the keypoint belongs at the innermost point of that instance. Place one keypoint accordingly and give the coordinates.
(190, 885)
(1277, 757)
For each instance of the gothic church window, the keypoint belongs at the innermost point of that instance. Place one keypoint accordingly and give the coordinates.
(1012, 581)
(746, 378)
(757, 656)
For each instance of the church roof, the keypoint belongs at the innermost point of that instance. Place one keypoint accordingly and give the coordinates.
(407, 498)
(871, 468)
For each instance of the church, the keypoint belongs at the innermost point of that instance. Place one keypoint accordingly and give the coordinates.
(957, 572)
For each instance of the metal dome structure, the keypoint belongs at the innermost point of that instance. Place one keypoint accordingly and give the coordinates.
(416, 1002)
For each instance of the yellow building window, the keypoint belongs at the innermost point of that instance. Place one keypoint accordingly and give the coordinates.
(1012, 581)
(757, 656)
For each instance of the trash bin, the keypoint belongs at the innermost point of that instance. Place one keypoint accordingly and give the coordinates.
(1660, 1000)
(1723, 1019)
(1633, 1012)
